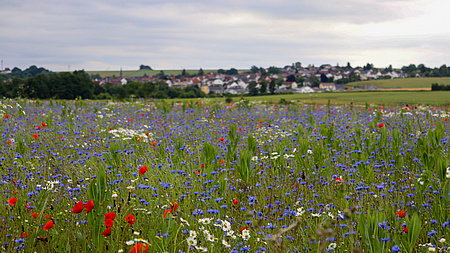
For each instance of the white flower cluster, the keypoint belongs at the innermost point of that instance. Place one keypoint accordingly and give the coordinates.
(128, 134)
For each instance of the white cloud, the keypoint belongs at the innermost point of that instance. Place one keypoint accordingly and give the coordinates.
(222, 34)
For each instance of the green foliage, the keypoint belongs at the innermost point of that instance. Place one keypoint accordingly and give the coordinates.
(142, 67)
(100, 196)
(371, 232)
(253, 91)
(273, 70)
(408, 240)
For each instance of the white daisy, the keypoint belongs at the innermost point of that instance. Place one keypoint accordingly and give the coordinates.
(332, 245)
(205, 221)
(192, 234)
(300, 211)
(210, 238)
(191, 241)
(225, 243)
(226, 226)
(245, 234)
(201, 249)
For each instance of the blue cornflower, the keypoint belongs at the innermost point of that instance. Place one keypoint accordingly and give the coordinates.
(396, 248)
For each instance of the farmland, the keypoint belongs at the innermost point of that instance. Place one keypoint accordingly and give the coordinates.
(403, 83)
(200, 176)
(361, 97)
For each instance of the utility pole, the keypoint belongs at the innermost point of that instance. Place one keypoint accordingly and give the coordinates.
(2, 67)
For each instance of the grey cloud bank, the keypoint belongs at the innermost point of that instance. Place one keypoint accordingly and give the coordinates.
(101, 35)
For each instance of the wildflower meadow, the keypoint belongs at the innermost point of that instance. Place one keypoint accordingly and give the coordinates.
(204, 176)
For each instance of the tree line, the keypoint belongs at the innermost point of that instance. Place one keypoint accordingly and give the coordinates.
(78, 84)
(436, 87)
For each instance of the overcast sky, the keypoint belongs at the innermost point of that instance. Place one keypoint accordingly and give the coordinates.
(168, 34)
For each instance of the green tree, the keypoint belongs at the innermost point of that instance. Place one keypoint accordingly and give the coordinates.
(273, 70)
(161, 75)
(389, 68)
(314, 81)
(280, 81)
(300, 80)
(254, 69)
(98, 89)
(298, 64)
(36, 87)
(221, 71)
(272, 86)
(142, 67)
(232, 71)
(200, 72)
(348, 65)
(290, 78)
(422, 68)
(183, 73)
(252, 90)
(263, 86)
(443, 70)
(368, 66)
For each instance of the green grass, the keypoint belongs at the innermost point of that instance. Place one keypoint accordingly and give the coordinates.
(411, 83)
(360, 97)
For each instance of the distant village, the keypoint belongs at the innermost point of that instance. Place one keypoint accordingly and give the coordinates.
(288, 79)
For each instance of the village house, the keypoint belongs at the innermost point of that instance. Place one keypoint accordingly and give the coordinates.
(327, 86)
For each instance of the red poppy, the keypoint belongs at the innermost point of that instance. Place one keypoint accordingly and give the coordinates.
(142, 170)
(48, 225)
(89, 206)
(24, 234)
(35, 136)
(38, 127)
(139, 248)
(12, 201)
(380, 125)
(78, 208)
(9, 142)
(202, 166)
(222, 139)
(147, 134)
(107, 232)
(166, 212)
(6, 116)
(338, 180)
(44, 125)
(401, 214)
(173, 206)
(405, 229)
(129, 120)
(35, 215)
(109, 223)
(48, 216)
(110, 216)
(130, 219)
(222, 162)
(235, 202)
(244, 228)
